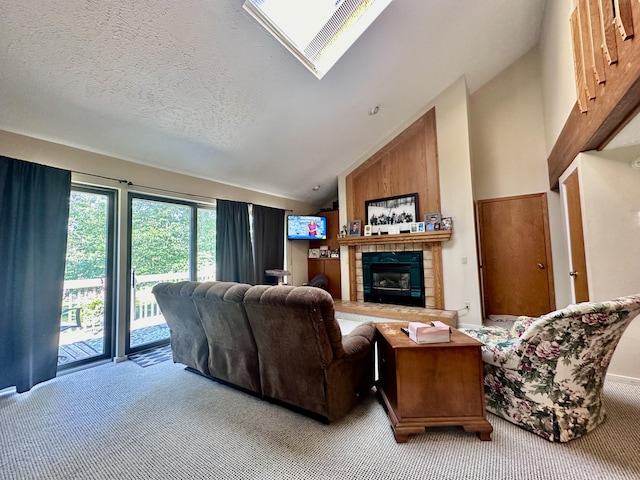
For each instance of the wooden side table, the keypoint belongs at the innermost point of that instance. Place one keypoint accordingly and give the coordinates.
(434, 384)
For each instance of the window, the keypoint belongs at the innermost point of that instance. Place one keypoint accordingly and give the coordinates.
(170, 241)
(87, 303)
(317, 32)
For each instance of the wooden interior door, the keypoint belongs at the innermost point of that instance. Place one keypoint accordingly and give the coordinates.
(576, 239)
(515, 250)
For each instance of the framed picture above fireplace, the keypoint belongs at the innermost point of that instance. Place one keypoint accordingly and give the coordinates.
(399, 211)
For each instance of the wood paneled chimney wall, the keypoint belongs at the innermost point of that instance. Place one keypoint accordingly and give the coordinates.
(407, 164)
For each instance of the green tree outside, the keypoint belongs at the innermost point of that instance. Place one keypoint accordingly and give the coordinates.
(86, 237)
(160, 236)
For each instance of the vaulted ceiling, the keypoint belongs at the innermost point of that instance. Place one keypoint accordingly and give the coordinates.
(198, 87)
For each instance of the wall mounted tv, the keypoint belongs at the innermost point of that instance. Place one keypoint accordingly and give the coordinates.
(306, 227)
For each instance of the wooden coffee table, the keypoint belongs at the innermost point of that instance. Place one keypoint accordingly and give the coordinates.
(430, 385)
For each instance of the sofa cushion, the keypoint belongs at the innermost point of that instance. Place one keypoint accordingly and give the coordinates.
(233, 356)
(304, 360)
(187, 336)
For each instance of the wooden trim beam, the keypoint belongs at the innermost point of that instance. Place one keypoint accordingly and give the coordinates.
(624, 18)
(595, 29)
(609, 44)
(617, 102)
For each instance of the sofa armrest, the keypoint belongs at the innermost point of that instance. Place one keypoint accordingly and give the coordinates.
(500, 347)
(521, 325)
(359, 341)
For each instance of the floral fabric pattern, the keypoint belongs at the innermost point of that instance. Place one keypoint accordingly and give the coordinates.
(520, 325)
(546, 374)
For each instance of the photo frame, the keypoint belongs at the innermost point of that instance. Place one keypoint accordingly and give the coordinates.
(400, 211)
(420, 226)
(354, 228)
(432, 221)
(446, 223)
(413, 228)
(367, 230)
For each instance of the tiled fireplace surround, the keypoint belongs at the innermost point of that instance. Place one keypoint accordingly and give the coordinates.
(427, 259)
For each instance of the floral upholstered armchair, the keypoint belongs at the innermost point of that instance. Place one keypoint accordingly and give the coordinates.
(546, 374)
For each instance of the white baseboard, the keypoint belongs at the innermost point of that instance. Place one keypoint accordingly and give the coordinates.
(467, 325)
(622, 379)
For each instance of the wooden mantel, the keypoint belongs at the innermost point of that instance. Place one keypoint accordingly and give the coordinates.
(436, 236)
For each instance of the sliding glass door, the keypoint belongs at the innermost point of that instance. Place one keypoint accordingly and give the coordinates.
(206, 244)
(170, 241)
(87, 305)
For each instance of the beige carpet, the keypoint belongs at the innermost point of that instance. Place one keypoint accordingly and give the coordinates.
(120, 421)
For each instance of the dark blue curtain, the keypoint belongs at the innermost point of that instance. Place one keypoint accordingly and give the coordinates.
(268, 241)
(34, 210)
(234, 257)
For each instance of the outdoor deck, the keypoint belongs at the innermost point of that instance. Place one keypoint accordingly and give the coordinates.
(80, 344)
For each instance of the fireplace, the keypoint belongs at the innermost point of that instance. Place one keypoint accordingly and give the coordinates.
(393, 277)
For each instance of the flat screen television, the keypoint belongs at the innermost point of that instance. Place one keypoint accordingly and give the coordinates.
(306, 227)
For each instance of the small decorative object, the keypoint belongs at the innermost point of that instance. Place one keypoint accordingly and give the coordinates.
(434, 332)
(314, 253)
(446, 224)
(324, 251)
(384, 212)
(367, 230)
(413, 228)
(335, 253)
(432, 221)
(343, 232)
(354, 228)
(420, 227)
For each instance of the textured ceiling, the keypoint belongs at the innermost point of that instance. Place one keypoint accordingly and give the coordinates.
(199, 87)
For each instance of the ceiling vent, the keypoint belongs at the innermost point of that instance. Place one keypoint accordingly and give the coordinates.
(317, 32)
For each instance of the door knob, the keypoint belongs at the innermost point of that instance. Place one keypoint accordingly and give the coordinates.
(540, 266)
(573, 274)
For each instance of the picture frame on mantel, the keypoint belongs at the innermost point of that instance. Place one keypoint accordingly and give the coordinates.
(432, 221)
(354, 228)
(399, 211)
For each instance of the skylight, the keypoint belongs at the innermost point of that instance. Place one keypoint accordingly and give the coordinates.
(317, 32)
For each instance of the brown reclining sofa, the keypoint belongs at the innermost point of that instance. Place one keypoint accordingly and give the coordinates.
(281, 343)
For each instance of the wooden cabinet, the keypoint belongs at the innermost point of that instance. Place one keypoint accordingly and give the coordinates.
(434, 384)
(329, 266)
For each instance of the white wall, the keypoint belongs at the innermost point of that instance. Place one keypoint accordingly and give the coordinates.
(509, 157)
(610, 200)
(558, 79)
(611, 214)
(461, 282)
(507, 133)
(148, 180)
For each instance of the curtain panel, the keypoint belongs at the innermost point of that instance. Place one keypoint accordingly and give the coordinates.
(234, 256)
(268, 241)
(34, 211)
